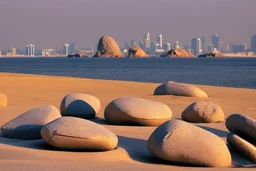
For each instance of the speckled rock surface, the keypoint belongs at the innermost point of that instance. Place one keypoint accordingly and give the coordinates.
(27, 126)
(243, 147)
(178, 53)
(243, 126)
(108, 47)
(78, 134)
(179, 89)
(136, 51)
(181, 142)
(80, 105)
(132, 110)
(203, 112)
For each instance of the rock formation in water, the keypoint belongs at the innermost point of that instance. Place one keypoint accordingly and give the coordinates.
(136, 51)
(108, 48)
(177, 53)
(212, 55)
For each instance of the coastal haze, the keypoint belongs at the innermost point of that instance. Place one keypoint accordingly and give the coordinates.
(50, 23)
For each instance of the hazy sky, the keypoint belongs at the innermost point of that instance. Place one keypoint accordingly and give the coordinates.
(51, 23)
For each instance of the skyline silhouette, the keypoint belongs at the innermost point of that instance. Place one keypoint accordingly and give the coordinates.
(50, 23)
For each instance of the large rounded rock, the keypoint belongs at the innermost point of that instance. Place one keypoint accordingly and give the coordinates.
(177, 53)
(131, 110)
(80, 105)
(108, 47)
(181, 142)
(243, 147)
(3, 99)
(27, 126)
(243, 126)
(136, 51)
(178, 89)
(78, 134)
(203, 112)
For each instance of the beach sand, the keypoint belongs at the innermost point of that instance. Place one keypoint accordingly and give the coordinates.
(28, 91)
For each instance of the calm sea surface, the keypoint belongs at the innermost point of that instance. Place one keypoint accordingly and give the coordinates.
(228, 72)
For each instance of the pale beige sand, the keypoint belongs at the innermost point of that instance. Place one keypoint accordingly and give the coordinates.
(28, 91)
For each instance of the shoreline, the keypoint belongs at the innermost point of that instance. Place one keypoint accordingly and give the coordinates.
(27, 91)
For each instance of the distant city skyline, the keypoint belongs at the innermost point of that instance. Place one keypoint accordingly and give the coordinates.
(51, 23)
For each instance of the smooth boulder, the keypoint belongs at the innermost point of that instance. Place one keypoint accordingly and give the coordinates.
(73, 133)
(80, 105)
(184, 143)
(132, 110)
(136, 51)
(243, 147)
(179, 89)
(203, 112)
(27, 126)
(243, 126)
(3, 100)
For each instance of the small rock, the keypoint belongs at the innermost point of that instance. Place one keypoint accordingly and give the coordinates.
(136, 51)
(181, 142)
(243, 147)
(178, 89)
(203, 112)
(78, 134)
(132, 110)
(3, 99)
(80, 105)
(27, 126)
(243, 126)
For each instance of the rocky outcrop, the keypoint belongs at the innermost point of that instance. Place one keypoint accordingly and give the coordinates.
(177, 53)
(136, 51)
(212, 55)
(108, 47)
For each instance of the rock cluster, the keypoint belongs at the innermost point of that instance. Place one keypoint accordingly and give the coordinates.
(70, 133)
(178, 53)
(180, 142)
(136, 51)
(27, 126)
(178, 89)
(108, 47)
(212, 55)
(80, 105)
(3, 100)
(243, 135)
(131, 110)
(203, 112)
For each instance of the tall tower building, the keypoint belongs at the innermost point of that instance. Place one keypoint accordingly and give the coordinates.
(66, 49)
(146, 42)
(159, 40)
(196, 46)
(253, 43)
(72, 48)
(133, 43)
(210, 48)
(215, 41)
(176, 45)
(203, 44)
(168, 46)
(30, 50)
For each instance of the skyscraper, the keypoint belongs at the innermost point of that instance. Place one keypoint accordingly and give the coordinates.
(176, 45)
(203, 44)
(215, 41)
(146, 42)
(159, 40)
(30, 50)
(253, 43)
(133, 43)
(196, 46)
(72, 48)
(66, 49)
(210, 48)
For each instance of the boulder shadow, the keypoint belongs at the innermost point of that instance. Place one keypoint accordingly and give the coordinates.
(215, 131)
(137, 150)
(80, 108)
